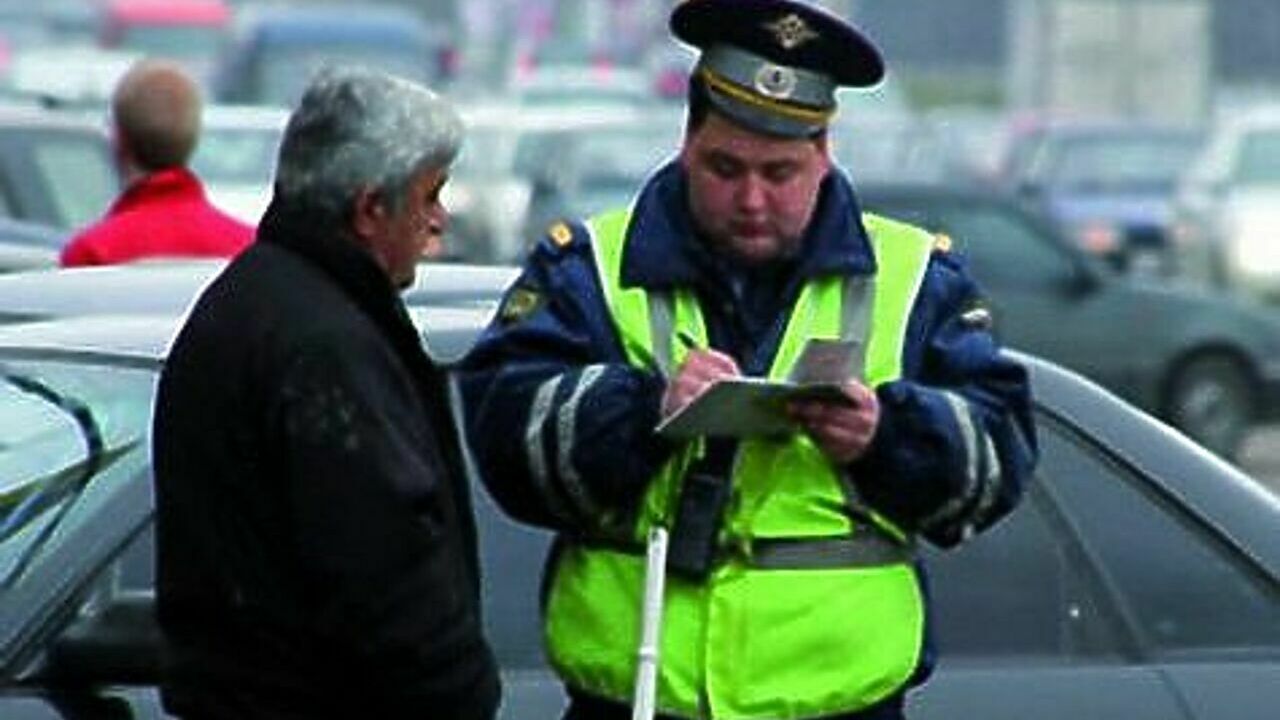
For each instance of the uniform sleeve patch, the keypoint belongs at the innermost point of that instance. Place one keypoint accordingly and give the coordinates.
(519, 304)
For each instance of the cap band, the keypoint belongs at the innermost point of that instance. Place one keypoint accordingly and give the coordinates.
(727, 87)
(770, 79)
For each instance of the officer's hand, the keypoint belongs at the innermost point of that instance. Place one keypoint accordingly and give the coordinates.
(701, 368)
(842, 431)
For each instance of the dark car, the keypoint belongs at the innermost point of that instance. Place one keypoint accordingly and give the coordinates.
(275, 50)
(1140, 579)
(1109, 186)
(1208, 364)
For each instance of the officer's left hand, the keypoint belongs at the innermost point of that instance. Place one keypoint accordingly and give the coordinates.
(842, 431)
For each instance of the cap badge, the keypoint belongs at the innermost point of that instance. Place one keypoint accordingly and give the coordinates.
(775, 81)
(791, 31)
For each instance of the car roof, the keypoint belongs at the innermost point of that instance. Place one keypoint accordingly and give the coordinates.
(168, 287)
(329, 21)
(209, 12)
(33, 114)
(888, 188)
(263, 117)
(145, 338)
(155, 287)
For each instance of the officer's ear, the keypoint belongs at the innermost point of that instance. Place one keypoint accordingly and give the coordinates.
(823, 145)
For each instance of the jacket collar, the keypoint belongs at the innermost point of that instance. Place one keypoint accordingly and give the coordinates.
(835, 242)
(171, 183)
(344, 262)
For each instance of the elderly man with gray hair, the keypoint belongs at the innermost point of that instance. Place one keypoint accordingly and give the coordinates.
(316, 549)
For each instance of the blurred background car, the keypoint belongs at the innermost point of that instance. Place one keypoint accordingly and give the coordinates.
(523, 166)
(1139, 579)
(28, 246)
(167, 287)
(1109, 185)
(274, 50)
(1229, 205)
(55, 167)
(577, 174)
(189, 31)
(236, 156)
(1208, 364)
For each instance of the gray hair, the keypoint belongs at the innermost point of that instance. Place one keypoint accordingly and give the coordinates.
(359, 128)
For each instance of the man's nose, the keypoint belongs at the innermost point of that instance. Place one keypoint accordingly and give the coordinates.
(751, 192)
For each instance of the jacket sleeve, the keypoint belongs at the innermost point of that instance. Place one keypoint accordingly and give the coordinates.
(375, 525)
(561, 426)
(956, 442)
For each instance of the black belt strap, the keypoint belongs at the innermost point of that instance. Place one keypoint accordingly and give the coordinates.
(868, 549)
(863, 550)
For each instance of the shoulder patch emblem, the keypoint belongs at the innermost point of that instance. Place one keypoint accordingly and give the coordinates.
(560, 234)
(520, 303)
(941, 243)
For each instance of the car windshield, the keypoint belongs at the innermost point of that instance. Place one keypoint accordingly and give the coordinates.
(1259, 159)
(1150, 160)
(176, 41)
(237, 155)
(78, 174)
(282, 76)
(61, 425)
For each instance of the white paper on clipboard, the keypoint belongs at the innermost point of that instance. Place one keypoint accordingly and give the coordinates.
(753, 407)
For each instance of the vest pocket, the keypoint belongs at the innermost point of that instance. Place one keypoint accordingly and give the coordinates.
(593, 621)
(805, 643)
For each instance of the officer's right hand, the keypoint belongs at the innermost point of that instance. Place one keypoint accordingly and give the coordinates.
(701, 368)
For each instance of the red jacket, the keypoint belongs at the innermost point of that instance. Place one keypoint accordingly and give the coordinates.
(163, 214)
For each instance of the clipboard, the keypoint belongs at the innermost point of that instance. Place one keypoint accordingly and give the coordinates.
(755, 407)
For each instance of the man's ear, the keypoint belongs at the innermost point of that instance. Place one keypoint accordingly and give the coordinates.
(367, 213)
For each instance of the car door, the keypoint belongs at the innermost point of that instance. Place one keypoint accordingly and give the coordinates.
(74, 490)
(1101, 596)
(1025, 628)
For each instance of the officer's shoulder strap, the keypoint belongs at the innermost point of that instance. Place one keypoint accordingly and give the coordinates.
(562, 238)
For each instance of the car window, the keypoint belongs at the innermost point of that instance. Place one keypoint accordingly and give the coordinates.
(1003, 250)
(174, 40)
(7, 195)
(1119, 161)
(1028, 577)
(237, 155)
(50, 416)
(1188, 593)
(1258, 162)
(78, 175)
(282, 72)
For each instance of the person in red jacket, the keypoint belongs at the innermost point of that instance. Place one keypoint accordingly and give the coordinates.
(163, 211)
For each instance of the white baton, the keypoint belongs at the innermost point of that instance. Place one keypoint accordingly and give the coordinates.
(655, 574)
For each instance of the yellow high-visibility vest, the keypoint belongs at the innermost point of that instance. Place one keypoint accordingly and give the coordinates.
(815, 608)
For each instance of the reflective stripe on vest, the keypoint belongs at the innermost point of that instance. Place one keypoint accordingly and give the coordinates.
(812, 611)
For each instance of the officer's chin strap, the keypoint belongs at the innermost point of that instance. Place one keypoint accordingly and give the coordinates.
(655, 576)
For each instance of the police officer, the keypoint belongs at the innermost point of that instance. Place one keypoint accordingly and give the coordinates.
(794, 590)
